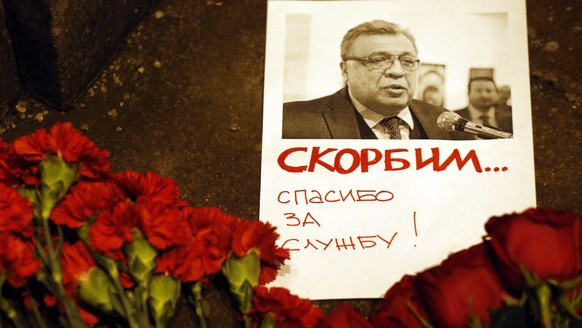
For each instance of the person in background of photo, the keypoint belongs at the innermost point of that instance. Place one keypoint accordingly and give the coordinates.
(483, 105)
(379, 63)
(433, 96)
(504, 92)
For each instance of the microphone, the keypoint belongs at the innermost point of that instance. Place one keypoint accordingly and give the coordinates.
(450, 121)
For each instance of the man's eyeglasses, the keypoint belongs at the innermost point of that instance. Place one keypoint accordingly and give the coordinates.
(383, 62)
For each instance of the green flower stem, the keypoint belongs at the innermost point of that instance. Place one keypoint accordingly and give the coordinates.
(109, 266)
(568, 306)
(269, 321)
(422, 320)
(543, 294)
(129, 312)
(247, 304)
(143, 312)
(11, 313)
(199, 303)
(40, 253)
(73, 317)
(242, 274)
(60, 244)
(8, 307)
(53, 268)
(37, 317)
(49, 242)
(141, 260)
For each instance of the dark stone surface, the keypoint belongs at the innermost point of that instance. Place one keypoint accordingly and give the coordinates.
(9, 83)
(555, 41)
(183, 97)
(62, 46)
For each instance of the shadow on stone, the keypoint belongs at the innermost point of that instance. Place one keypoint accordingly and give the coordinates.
(62, 46)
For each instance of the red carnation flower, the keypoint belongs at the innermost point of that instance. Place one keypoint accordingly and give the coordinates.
(212, 229)
(182, 262)
(76, 262)
(545, 242)
(463, 286)
(261, 236)
(149, 186)
(399, 305)
(8, 176)
(17, 260)
(33, 147)
(14, 171)
(112, 230)
(208, 247)
(287, 309)
(68, 143)
(83, 201)
(16, 213)
(162, 226)
(6, 156)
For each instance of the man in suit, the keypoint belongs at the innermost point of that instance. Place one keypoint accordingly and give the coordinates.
(483, 105)
(379, 66)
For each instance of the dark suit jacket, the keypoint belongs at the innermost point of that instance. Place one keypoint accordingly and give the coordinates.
(335, 117)
(502, 115)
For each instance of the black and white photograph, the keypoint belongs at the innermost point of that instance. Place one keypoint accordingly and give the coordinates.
(411, 76)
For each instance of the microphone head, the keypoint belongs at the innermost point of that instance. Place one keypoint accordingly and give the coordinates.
(447, 120)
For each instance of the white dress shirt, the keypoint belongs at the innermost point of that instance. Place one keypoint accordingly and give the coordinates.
(373, 120)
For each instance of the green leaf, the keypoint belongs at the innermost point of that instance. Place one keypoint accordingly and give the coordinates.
(569, 307)
(532, 281)
(509, 317)
(567, 285)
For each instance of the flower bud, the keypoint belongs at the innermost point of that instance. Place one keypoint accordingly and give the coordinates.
(97, 290)
(57, 176)
(164, 292)
(141, 258)
(242, 274)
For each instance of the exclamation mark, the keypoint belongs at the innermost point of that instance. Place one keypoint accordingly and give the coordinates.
(415, 231)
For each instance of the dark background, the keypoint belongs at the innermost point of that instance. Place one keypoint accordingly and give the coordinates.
(183, 97)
